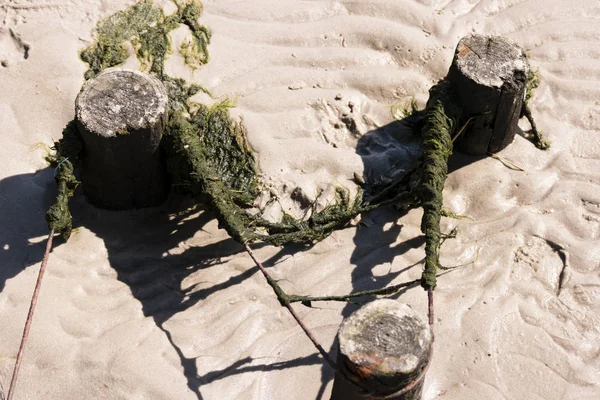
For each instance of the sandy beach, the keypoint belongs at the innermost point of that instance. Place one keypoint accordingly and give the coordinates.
(161, 304)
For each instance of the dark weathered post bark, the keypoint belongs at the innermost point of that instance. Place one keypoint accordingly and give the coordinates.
(383, 348)
(121, 116)
(489, 75)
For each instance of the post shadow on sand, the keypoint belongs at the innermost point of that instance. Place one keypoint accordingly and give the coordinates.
(139, 243)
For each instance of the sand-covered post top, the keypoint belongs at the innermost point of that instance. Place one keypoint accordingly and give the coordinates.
(489, 75)
(121, 116)
(384, 348)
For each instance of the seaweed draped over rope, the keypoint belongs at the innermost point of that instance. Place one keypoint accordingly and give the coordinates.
(208, 157)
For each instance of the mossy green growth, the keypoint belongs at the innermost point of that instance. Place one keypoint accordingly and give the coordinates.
(213, 138)
(535, 136)
(179, 93)
(190, 164)
(533, 82)
(146, 27)
(66, 153)
(440, 121)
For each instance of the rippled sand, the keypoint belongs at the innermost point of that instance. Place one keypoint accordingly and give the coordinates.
(160, 304)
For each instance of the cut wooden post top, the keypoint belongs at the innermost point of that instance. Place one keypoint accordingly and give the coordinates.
(383, 347)
(490, 60)
(489, 76)
(386, 337)
(119, 101)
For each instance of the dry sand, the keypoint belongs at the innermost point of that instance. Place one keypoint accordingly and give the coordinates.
(157, 304)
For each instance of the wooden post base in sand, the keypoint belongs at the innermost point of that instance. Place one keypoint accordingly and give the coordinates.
(121, 116)
(383, 347)
(489, 75)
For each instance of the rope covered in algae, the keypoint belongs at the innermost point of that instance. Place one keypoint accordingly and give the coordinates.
(441, 116)
(67, 151)
(194, 174)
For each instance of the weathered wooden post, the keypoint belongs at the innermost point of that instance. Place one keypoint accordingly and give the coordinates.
(121, 117)
(384, 349)
(489, 75)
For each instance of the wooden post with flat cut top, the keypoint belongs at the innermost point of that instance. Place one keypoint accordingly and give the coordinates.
(489, 75)
(384, 350)
(121, 117)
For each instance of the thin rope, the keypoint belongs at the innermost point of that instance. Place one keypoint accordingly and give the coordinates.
(320, 348)
(34, 298)
(410, 386)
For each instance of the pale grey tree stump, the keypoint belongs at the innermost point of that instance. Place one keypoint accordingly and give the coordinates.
(383, 347)
(121, 116)
(489, 76)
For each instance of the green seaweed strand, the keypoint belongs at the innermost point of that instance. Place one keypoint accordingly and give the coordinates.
(536, 136)
(67, 151)
(439, 125)
(195, 52)
(318, 226)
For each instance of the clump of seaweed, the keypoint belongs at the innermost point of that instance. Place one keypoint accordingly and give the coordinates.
(194, 51)
(535, 136)
(146, 27)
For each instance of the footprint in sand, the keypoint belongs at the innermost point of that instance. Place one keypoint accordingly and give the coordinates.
(12, 47)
